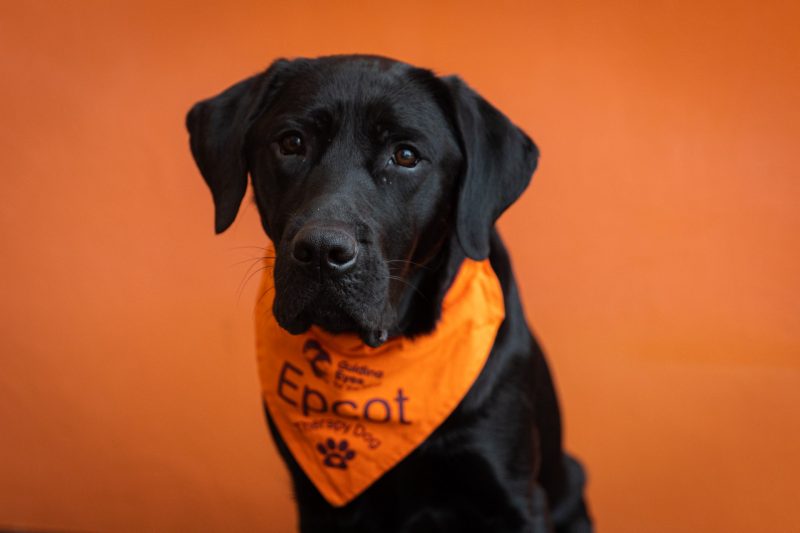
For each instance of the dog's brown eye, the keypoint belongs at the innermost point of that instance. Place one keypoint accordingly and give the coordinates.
(292, 144)
(406, 157)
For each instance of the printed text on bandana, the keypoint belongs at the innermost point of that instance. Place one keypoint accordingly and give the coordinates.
(345, 417)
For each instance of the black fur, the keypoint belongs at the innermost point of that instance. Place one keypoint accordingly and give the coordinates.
(497, 463)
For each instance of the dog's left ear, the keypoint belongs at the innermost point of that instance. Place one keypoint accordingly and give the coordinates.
(499, 160)
(217, 128)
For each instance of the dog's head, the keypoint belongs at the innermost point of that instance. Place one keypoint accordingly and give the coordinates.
(373, 179)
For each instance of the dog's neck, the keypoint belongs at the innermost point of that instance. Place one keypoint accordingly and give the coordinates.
(420, 304)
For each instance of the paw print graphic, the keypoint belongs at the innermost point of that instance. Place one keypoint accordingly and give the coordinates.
(336, 456)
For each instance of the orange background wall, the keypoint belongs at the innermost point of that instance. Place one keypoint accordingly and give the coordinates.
(658, 251)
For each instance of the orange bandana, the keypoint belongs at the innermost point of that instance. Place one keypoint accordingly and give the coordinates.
(347, 412)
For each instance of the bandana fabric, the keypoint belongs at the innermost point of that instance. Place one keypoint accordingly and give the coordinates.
(348, 412)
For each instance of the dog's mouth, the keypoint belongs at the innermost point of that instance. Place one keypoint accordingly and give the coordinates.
(355, 305)
(335, 320)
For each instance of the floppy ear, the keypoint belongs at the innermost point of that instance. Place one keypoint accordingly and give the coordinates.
(217, 128)
(499, 160)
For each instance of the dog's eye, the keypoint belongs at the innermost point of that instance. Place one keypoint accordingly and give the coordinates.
(406, 157)
(292, 144)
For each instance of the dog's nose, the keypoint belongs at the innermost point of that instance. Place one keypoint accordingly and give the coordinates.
(333, 249)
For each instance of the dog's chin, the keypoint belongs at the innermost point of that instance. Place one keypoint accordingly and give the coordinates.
(334, 319)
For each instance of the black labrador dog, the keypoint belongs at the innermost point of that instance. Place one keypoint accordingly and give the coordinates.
(360, 164)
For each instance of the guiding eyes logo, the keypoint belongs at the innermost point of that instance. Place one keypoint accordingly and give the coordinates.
(344, 375)
(318, 358)
(336, 456)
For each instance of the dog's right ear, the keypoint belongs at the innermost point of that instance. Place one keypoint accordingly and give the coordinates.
(217, 128)
(499, 160)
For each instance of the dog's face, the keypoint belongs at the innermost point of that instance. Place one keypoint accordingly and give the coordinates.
(353, 165)
(365, 171)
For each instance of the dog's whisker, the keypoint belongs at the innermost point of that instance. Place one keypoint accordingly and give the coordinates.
(264, 248)
(266, 291)
(244, 283)
(420, 265)
(249, 273)
(401, 280)
(253, 259)
(249, 269)
(404, 261)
